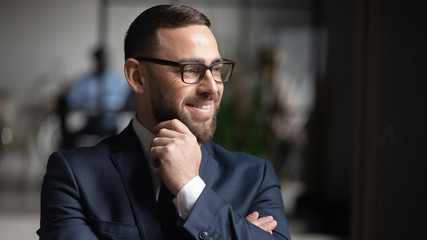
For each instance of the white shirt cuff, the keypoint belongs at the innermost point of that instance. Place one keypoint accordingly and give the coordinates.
(188, 195)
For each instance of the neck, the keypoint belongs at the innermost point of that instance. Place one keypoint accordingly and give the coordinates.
(145, 122)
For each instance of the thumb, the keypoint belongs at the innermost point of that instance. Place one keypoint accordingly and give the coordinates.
(253, 216)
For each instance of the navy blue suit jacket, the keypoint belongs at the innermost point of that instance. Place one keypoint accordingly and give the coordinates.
(105, 192)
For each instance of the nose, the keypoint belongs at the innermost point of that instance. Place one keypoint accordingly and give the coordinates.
(208, 84)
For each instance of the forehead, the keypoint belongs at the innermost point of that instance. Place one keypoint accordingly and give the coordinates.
(190, 42)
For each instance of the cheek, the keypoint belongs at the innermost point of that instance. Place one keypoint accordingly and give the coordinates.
(220, 90)
(170, 85)
(176, 96)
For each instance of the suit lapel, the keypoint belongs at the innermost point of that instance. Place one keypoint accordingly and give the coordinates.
(129, 160)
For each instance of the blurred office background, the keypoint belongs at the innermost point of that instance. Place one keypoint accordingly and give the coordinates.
(332, 92)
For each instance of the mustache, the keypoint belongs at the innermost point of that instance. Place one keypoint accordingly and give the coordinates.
(203, 97)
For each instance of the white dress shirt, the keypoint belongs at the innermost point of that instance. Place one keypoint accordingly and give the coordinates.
(188, 195)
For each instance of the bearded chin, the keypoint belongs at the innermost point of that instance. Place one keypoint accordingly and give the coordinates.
(202, 128)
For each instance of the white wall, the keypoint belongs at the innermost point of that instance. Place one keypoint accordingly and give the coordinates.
(49, 41)
(45, 41)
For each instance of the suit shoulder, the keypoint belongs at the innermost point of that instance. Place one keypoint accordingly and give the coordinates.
(82, 155)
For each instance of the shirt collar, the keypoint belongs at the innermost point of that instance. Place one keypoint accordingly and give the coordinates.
(145, 136)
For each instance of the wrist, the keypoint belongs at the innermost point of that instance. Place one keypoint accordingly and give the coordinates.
(188, 195)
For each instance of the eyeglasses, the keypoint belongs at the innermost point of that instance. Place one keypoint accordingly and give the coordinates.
(194, 72)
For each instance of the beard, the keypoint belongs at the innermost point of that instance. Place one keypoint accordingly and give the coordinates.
(201, 127)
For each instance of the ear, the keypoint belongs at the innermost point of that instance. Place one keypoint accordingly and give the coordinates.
(134, 75)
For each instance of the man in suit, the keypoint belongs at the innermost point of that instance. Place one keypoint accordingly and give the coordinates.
(161, 178)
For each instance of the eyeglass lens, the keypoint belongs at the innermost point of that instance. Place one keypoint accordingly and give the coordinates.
(193, 73)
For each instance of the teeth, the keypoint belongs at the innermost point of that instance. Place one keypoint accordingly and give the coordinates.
(204, 107)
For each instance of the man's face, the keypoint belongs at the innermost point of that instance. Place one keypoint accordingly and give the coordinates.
(196, 105)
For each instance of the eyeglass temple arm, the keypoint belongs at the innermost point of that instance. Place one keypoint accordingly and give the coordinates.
(158, 61)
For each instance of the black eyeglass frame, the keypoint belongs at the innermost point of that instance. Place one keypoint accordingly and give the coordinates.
(183, 64)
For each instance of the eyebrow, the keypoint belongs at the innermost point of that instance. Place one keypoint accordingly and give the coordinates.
(199, 60)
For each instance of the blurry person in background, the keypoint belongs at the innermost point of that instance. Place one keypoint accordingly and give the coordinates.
(162, 178)
(101, 94)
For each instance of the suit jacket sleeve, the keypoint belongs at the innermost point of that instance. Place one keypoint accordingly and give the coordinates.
(214, 218)
(61, 211)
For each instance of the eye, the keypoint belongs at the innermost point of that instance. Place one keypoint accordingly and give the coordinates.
(217, 68)
(193, 69)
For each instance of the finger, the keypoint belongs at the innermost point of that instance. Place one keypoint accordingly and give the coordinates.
(167, 136)
(173, 124)
(168, 133)
(273, 224)
(154, 157)
(267, 223)
(162, 149)
(161, 141)
(265, 219)
(255, 214)
(252, 216)
(268, 226)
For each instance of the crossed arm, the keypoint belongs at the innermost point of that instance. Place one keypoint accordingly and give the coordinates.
(176, 150)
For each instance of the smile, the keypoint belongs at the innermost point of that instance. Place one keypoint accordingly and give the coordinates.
(204, 107)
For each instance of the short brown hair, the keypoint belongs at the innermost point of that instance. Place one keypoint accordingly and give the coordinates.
(141, 37)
